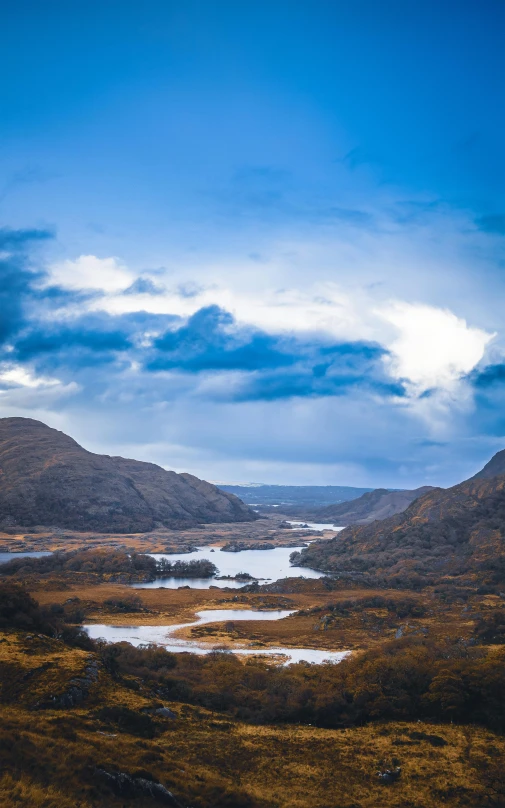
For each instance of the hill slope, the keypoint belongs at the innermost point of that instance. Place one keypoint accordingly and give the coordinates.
(378, 504)
(46, 478)
(454, 531)
(494, 468)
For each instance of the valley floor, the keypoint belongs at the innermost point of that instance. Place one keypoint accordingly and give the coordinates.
(52, 758)
(67, 717)
(267, 528)
(357, 625)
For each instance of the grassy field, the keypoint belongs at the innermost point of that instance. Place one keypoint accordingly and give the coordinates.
(74, 714)
(50, 757)
(157, 541)
(316, 626)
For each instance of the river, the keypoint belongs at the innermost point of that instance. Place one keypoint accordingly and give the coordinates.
(164, 635)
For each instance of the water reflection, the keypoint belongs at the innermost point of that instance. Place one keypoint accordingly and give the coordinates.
(316, 526)
(262, 564)
(164, 635)
(4, 557)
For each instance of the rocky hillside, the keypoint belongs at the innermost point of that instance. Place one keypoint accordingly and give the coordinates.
(46, 478)
(378, 504)
(459, 531)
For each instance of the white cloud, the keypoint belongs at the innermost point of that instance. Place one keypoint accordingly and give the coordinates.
(21, 377)
(90, 272)
(432, 347)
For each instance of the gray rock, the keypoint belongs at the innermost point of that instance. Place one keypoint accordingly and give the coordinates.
(127, 785)
(165, 712)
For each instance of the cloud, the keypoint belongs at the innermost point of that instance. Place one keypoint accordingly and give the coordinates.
(81, 341)
(267, 366)
(11, 239)
(91, 272)
(18, 376)
(144, 286)
(17, 276)
(304, 364)
(432, 348)
(211, 340)
(489, 376)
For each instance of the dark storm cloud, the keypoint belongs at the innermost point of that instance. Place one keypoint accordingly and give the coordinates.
(304, 383)
(489, 376)
(273, 366)
(17, 277)
(94, 338)
(210, 340)
(44, 333)
(11, 239)
(71, 342)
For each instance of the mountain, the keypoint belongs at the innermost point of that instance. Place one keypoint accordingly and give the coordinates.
(292, 496)
(494, 468)
(46, 478)
(378, 504)
(446, 532)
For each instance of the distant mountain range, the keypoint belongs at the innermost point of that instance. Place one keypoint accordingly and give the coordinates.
(288, 496)
(457, 531)
(47, 479)
(338, 504)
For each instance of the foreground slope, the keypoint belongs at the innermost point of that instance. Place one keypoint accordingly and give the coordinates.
(101, 726)
(454, 531)
(46, 478)
(378, 504)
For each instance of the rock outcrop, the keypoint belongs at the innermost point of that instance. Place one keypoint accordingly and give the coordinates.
(47, 479)
(134, 786)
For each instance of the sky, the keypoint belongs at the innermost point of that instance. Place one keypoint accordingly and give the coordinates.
(258, 241)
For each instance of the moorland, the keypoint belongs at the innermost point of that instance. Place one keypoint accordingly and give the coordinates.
(413, 716)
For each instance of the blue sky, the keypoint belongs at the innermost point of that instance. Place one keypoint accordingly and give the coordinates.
(259, 240)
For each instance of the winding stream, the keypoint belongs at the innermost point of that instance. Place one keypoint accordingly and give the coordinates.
(164, 635)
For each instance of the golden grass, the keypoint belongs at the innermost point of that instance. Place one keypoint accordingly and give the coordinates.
(208, 762)
(211, 761)
(360, 630)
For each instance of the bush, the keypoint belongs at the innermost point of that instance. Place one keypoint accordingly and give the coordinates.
(129, 721)
(407, 679)
(105, 563)
(129, 603)
(491, 630)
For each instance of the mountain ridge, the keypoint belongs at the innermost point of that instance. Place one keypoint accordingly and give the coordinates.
(47, 478)
(373, 505)
(458, 531)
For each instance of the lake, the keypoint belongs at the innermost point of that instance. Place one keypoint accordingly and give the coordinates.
(263, 564)
(164, 635)
(315, 526)
(4, 557)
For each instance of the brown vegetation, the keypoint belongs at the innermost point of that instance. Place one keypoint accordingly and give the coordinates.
(105, 565)
(48, 479)
(378, 504)
(159, 539)
(458, 532)
(62, 726)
